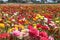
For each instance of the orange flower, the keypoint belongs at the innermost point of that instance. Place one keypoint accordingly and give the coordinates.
(35, 19)
(26, 21)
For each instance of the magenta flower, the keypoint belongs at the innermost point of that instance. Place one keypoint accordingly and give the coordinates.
(32, 31)
(43, 34)
(44, 38)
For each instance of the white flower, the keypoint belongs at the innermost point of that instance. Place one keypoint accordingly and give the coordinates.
(23, 33)
(12, 24)
(15, 13)
(5, 14)
(23, 19)
(25, 30)
(45, 20)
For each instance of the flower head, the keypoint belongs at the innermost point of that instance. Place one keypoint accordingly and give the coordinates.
(16, 33)
(2, 25)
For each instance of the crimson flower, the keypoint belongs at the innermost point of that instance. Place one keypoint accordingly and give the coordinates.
(4, 35)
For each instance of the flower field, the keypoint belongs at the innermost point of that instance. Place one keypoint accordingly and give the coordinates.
(30, 22)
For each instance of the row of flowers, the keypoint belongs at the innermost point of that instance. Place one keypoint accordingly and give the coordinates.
(34, 22)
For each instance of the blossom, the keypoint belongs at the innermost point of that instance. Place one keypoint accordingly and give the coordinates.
(19, 26)
(34, 25)
(51, 23)
(39, 25)
(25, 32)
(16, 33)
(44, 38)
(43, 34)
(4, 35)
(48, 16)
(45, 19)
(42, 27)
(33, 32)
(51, 38)
(39, 16)
(2, 25)
(26, 22)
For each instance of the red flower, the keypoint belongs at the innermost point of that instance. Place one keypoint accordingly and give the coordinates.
(39, 25)
(42, 27)
(4, 35)
(48, 16)
(45, 27)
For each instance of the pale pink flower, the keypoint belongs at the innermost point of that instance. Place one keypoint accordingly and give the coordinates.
(51, 38)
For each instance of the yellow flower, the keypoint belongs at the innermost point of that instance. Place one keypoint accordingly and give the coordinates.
(57, 21)
(16, 28)
(8, 21)
(25, 30)
(12, 29)
(39, 16)
(2, 25)
(34, 25)
(19, 26)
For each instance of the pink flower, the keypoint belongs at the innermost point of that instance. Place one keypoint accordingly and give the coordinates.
(51, 38)
(43, 34)
(16, 33)
(44, 38)
(32, 31)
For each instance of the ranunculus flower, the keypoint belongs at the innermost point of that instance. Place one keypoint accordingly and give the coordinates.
(2, 25)
(25, 32)
(44, 38)
(4, 35)
(48, 16)
(45, 27)
(39, 25)
(51, 38)
(43, 34)
(51, 23)
(42, 27)
(32, 31)
(16, 33)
